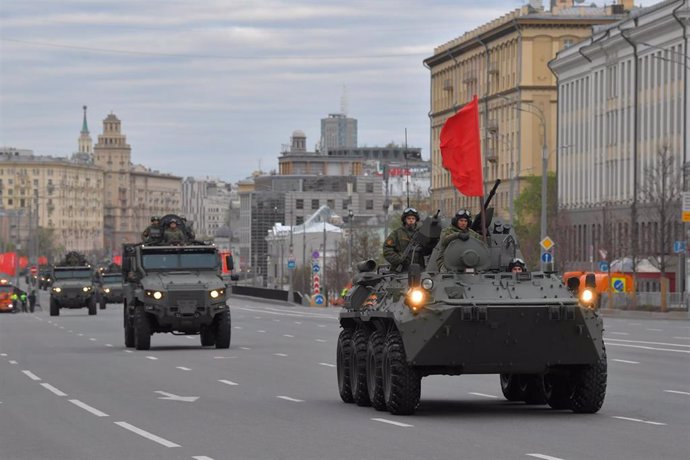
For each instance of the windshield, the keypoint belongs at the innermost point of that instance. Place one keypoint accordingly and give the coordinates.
(184, 261)
(68, 274)
(117, 278)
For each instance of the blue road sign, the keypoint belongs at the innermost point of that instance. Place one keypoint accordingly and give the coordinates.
(618, 285)
(546, 257)
(315, 268)
(318, 299)
(291, 264)
(603, 266)
(315, 255)
(679, 247)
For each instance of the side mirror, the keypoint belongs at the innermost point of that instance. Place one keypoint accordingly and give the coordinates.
(229, 263)
(414, 275)
(234, 277)
(590, 280)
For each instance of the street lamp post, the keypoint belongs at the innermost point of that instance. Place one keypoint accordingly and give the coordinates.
(349, 258)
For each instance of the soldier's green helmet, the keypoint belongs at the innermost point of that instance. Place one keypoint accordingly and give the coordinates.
(155, 218)
(409, 212)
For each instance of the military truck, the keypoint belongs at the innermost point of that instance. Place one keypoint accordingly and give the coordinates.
(108, 287)
(175, 289)
(72, 285)
(475, 317)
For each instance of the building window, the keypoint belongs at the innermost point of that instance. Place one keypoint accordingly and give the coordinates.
(370, 187)
(299, 203)
(299, 220)
(330, 204)
(369, 204)
(315, 204)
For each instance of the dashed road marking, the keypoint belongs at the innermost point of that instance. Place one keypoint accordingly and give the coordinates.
(655, 330)
(224, 357)
(677, 392)
(620, 333)
(257, 317)
(625, 361)
(260, 330)
(229, 382)
(288, 335)
(298, 322)
(544, 457)
(647, 348)
(152, 358)
(110, 345)
(319, 340)
(129, 351)
(280, 354)
(327, 364)
(245, 348)
(392, 422)
(237, 327)
(321, 325)
(31, 375)
(182, 368)
(62, 327)
(12, 361)
(70, 331)
(639, 420)
(287, 398)
(484, 395)
(92, 339)
(682, 338)
(147, 435)
(88, 408)
(202, 457)
(3, 355)
(80, 335)
(50, 387)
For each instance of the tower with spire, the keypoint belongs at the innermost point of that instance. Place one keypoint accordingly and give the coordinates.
(85, 142)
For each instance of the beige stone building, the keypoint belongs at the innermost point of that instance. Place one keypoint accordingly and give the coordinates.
(505, 63)
(132, 194)
(54, 193)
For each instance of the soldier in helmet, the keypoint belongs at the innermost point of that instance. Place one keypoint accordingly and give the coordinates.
(153, 233)
(517, 265)
(395, 244)
(459, 228)
(173, 235)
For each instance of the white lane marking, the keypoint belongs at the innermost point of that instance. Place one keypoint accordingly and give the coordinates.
(327, 364)
(280, 354)
(544, 457)
(62, 327)
(655, 330)
(129, 351)
(677, 392)
(647, 348)
(298, 322)
(80, 335)
(484, 395)
(245, 348)
(173, 397)
(3, 354)
(319, 340)
(229, 382)
(321, 325)
(260, 330)
(147, 435)
(287, 398)
(639, 420)
(202, 457)
(392, 422)
(618, 333)
(12, 361)
(625, 361)
(88, 408)
(276, 320)
(152, 358)
(71, 331)
(224, 357)
(681, 338)
(182, 368)
(92, 339)
(50, 387)
(109, 345)
(288, 335)
(31, 375)
(651, 343)
(634, 324)
(257, 317)
(237, 327)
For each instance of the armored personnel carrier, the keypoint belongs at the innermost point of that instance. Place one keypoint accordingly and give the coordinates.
(475, 317)
(176, 289)
(109, 285)
(72, 285)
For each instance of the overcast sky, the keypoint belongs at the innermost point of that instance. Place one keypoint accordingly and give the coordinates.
(216, 87)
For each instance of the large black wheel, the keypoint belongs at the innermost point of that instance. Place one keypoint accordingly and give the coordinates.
(129, 328)
(208, 338)
(101, 301)
(54, 308)
(374, 370)
(401, 383)
(342, 360)
(92, 306)
(589, 387)
(512, 387)
(558, 391)
(221, 329)
(142, 329)
(358, 368)
(533, 389)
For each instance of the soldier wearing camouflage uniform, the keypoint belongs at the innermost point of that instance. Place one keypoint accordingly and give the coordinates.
(395, 244)
(153, 233)
(173, 235)
(459, 228)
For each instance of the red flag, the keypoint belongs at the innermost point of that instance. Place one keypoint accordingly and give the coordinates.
(461, 150)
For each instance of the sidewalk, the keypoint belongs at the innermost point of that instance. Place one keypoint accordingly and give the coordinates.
(632, 314)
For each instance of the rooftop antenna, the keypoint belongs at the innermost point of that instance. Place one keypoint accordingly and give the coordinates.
(407, 171)
(343, 101)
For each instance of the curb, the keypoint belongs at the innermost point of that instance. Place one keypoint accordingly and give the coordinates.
(670, 315)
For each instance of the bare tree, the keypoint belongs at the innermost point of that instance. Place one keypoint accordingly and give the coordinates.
(660, 192)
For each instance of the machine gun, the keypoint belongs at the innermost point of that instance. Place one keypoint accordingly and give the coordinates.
(424, 239)
(489, 213)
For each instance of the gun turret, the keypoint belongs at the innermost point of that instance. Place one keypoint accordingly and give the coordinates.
(489, 213)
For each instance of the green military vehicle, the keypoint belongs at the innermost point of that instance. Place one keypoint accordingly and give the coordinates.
(109, 288)
(72, 285)
(176, 289)
(473, 317)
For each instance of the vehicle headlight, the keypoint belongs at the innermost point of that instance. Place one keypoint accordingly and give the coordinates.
(427, 283)
(155, 294)
(56, 289)
(587, 297)
(106, 290)
(86, 288)
(415, 298)
(216, 293)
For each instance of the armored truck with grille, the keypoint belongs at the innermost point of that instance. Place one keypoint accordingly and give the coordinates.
(175, 289)
(472, 317)
(72, 285)
(109, 288)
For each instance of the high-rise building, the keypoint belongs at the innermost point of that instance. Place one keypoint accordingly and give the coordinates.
(338, 131)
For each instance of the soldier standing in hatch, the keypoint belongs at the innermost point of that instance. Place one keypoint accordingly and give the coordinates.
(459, 228)
(395, 244)
(153, 233)
(173, 235)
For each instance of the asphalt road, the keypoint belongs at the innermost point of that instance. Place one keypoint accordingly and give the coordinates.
(69, 389)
